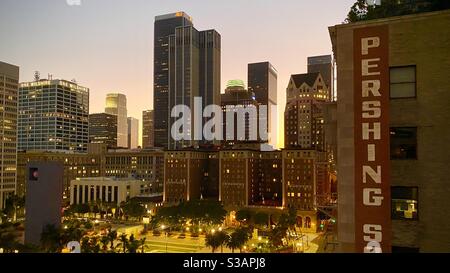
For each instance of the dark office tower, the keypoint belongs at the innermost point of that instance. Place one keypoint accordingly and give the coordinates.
(183, 78)
(210, 68)
(103, 129)
(323, 65)
(165, 26)
(262, 80)
(147, 129)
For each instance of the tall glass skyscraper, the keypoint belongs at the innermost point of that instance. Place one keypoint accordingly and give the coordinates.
(262, 81)
(165, 26)
(116, 104)
(188, 66)
(53, 116)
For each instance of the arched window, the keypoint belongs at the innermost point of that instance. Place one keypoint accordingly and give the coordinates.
(307, 222)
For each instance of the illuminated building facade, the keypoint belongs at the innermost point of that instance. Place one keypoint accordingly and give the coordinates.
(413, 79)
(103, 129)
(9, 81)
(116, 104)
(147, 129)
(53, 116)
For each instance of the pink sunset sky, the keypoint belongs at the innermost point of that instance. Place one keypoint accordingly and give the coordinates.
(107, 45)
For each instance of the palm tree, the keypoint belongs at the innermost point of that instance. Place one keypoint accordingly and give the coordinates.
(213, 242)
(105, 241)
(223, 238)
(238, 239)
(112, 236)
(142, 243)
(124, 242)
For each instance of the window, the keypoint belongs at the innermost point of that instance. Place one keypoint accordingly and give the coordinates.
(405, 203)
(403, 143)
(403, 82)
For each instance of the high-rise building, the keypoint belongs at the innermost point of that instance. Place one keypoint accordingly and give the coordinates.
(116, 104)
(262, 81)
(236, 96)
(133, 133)
(392, 139)
(53, 116)
(147, 129)
(9, 81)
(187, 65)
(324, 65)
(103, 129)
(165, 26)
(303, 115)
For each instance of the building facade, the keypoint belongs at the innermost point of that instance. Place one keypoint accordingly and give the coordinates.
(103, 129)
(9, 84)
(165, 26)
(237, 97)
(262, 81)
(323, 65)
(104, 189)
(116, 104)
(147, 129)
(306, 94)
(146, 166)
(413, 138)
(53, 116)
(133, 133)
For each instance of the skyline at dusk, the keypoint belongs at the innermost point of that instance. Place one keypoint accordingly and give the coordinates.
(107, 46)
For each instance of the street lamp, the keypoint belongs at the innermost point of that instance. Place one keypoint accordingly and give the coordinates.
(163, 227)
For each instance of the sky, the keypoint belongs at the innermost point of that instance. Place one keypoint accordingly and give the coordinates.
(107, 45)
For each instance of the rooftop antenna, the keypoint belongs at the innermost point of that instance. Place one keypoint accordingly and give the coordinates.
(74, 80)
(37, 76)
(50, 77)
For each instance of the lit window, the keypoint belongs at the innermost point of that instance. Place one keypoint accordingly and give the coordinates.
(405, 203)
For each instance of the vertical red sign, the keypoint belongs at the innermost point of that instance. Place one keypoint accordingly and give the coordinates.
(372, 149)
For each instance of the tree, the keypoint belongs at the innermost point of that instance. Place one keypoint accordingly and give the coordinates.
(243, 216)
(361, 11)
(51, 239)
(12, 205)
(238, 239)
(213, 242)
(261, 219)
(222, 238)
(112, 236)
(133, 208)
(277, 235)
(123, 242)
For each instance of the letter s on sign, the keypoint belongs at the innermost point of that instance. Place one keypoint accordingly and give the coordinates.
(374, 233)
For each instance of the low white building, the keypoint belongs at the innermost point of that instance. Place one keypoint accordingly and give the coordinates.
(105, 189)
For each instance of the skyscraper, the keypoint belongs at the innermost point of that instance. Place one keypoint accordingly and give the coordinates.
(236, 95)
(53, 116)
(116, 104)
(262, 80)
(103, 129)
(165, 26)
(147, 129)
(324, 65)
(190, 69)
(9, 81)
(133, 133)
(303, 114)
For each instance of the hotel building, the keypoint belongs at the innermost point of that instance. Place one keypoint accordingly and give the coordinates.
(392, 139)
(53, 116)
